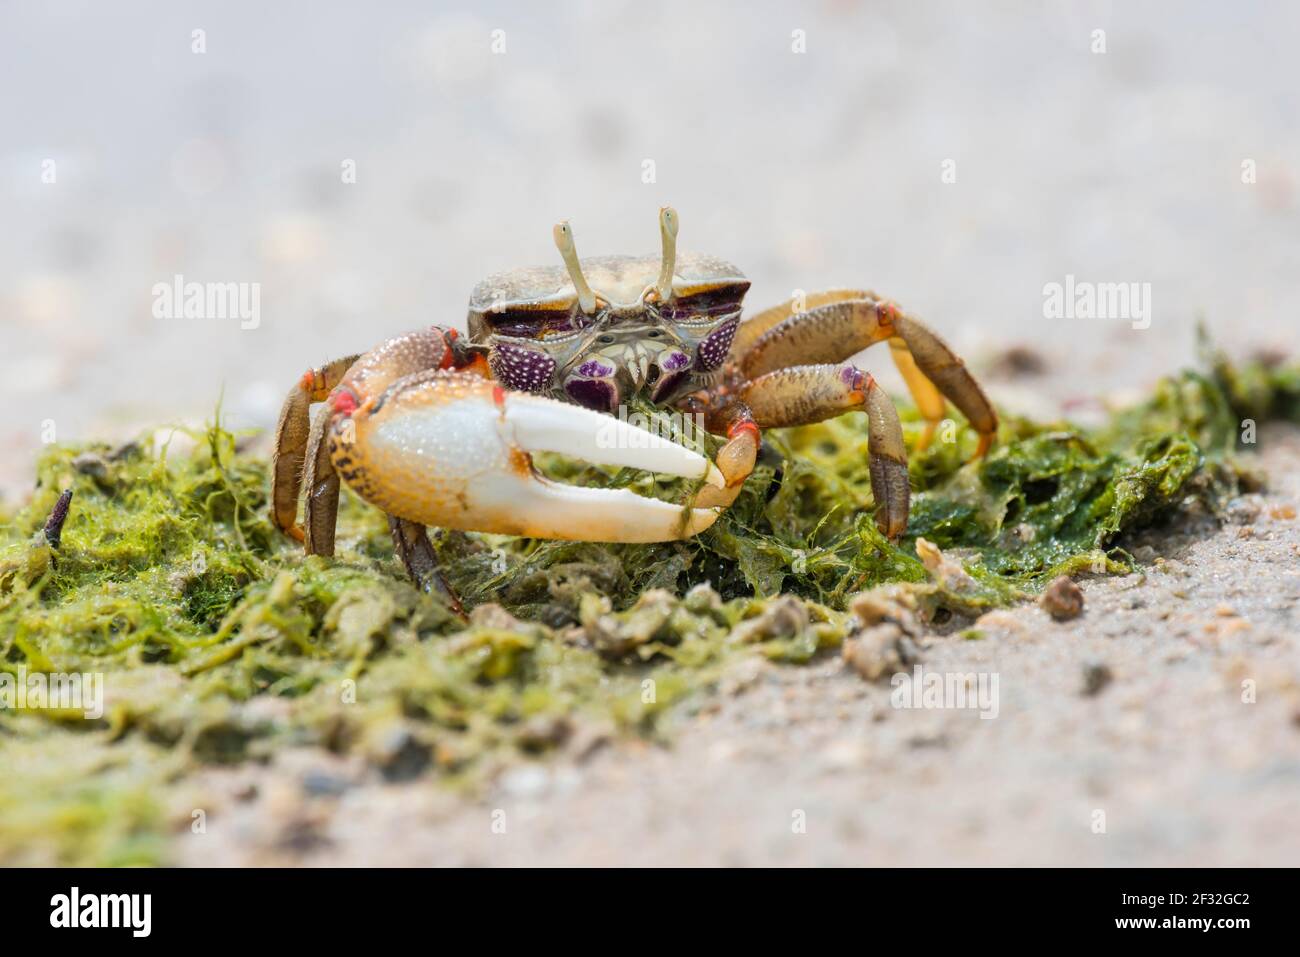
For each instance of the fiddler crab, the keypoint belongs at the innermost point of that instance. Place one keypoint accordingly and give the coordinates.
(435, 428)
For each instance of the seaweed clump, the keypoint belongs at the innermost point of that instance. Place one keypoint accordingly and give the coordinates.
(219, 642)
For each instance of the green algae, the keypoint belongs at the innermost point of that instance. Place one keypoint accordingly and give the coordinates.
(221, 643)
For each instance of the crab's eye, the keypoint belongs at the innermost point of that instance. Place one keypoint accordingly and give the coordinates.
(704, 306)
(654, 334)
(532, 324)
(677, 310)
(606, 339)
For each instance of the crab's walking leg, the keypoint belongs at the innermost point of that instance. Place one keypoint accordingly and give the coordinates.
(936, 365)
(929, 400)
(301, 454)
(837, 330)
(749, 331)
(799, 395)
(432, 348)
(291, 437)
(321, 503)
(411, 541)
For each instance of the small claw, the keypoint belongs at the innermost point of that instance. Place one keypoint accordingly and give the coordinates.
(451, 451)
(889, 483)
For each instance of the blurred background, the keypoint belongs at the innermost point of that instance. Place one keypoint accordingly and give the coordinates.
(470, 131)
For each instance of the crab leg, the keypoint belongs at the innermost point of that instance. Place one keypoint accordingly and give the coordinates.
(725, 414)
(301, 455)
(411, 542)
(320, 504)
(451, 450)
(929, 400)
(800, 395)
(825, 333)
(835, 331)
(749, 331)
(936, 362)
(292, 433)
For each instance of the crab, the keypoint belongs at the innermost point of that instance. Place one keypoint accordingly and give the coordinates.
(435, 427)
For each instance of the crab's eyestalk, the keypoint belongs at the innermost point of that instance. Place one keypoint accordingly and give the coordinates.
(564, 243)
(668, 233)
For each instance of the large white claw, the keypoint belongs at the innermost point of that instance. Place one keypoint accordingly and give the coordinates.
(451, 451)
(537, 424)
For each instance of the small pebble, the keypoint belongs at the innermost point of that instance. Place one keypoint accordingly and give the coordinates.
(88, 463)
(1095, 677)
(879, 651)
(1242, 511)
(1016, 362)
(1063, 599)
(321, 783)
(125, 451)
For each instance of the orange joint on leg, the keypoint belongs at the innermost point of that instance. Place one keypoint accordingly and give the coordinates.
(859, 383)
(313, 383)
(886, 313)
(743, 426)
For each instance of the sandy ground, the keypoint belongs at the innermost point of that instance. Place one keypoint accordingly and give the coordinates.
(1186, 752)
(809, 170)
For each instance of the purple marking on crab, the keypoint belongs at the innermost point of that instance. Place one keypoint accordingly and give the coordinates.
(854, 378)
(598, 394)
(595, 369)
(712, 352)
(667, 386)
(521, 368)
(674, 361)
